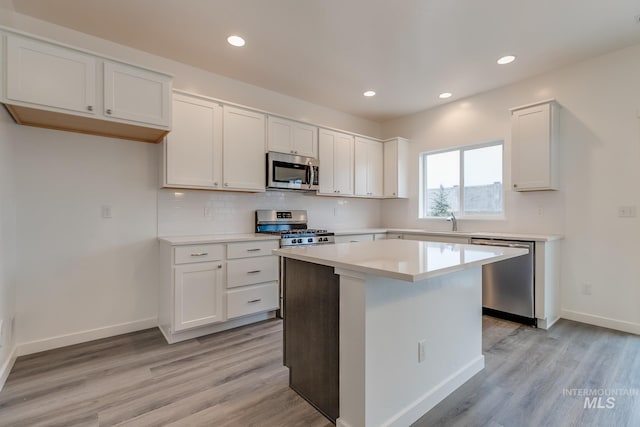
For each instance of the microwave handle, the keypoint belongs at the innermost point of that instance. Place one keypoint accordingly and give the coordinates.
(312, 175)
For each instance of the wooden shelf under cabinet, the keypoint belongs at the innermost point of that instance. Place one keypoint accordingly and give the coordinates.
(86, 125)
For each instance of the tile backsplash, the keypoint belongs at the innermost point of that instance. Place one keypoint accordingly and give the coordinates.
(190, 212)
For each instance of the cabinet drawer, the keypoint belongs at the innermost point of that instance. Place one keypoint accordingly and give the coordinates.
(354, 238)
(248, 271)
(198, 253)
(252, 299)
(251, 249)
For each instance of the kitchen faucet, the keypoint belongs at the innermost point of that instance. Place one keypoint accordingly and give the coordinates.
(454, 221)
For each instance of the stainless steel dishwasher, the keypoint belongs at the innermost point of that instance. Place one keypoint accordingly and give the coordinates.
(508, 286)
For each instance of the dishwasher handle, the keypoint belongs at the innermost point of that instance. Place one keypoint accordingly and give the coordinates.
(500, 244)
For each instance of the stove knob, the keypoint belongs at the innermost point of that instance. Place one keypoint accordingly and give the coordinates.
(299, 240)
(310, 240)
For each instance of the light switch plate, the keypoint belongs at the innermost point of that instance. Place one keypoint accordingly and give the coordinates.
(627, 211)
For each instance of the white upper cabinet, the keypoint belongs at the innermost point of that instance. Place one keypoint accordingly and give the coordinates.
(290, 137)
(193, 149)
(50, 76)
(244, 138)
(131, 93)
(58, 87)
(396, 163)
(534, 147)
(336, 163)
(368, 155)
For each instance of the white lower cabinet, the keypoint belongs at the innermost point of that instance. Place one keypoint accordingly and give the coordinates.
(210, 287)
(354, 238)
(198, 295)
(252, 299)
(436, 238)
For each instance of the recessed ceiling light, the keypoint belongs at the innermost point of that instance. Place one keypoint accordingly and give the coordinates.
(369, 93)
(236, 41)
(446, 95)
(506, 60)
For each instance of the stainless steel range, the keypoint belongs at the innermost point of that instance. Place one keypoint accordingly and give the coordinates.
(293, 231)
(292, 228)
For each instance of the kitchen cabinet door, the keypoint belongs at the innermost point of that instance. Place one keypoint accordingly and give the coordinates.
(243, 143)
(50, 76)
(198, 295)
(533, 147)
(396, 163)
(326, 144)
(336, 163)
(368, 163)
(136, 95)
(193, 149)
(289, 137)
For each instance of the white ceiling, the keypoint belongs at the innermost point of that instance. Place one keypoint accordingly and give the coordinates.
(330, 51)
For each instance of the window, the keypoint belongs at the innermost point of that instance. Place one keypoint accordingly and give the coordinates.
(466, 181)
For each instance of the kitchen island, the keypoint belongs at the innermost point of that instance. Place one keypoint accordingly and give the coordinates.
(377, 333)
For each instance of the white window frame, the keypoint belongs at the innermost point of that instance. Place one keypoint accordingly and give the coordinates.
(422, 205)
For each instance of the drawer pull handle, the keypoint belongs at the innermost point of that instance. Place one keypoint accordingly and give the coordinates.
(254, 271)
(200, 254)
(253, 250)
(254, 300)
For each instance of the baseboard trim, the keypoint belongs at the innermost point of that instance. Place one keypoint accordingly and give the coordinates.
(426, 402)
(7, 366)
(175, 337)
(83, 336)
(605, 322)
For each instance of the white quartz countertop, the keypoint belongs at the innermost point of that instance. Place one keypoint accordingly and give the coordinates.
(407, 260)
(481, 234)
(216, 238)
(355, 231)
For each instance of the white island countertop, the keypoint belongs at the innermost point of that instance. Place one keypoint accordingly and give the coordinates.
(407, 260)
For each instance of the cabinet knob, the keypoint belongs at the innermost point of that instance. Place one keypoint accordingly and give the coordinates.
(90, 107)
(108, 110)
(215, 184)
(226, 184)
(393, 194)
(515, 185)
(219, 265)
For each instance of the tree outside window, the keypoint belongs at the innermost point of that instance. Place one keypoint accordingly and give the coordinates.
(466, 181)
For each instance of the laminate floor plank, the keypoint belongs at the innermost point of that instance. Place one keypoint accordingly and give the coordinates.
(236, 379)
(527, 371)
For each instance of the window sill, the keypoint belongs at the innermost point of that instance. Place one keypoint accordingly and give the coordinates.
(466, 218)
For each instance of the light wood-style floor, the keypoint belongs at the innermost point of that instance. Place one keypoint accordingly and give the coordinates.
(236, 378)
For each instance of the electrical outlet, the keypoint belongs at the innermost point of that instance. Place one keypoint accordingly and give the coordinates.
(627, 212)
(587, 289)
(207, 212)
(422, 351)
(106, 211)
(540, 211)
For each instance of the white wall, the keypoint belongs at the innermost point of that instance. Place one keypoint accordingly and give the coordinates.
(600, 154)
(80, 276)
(7, 241)
(181, 212)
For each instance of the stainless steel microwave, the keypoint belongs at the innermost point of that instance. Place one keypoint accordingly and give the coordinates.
(290, 172)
